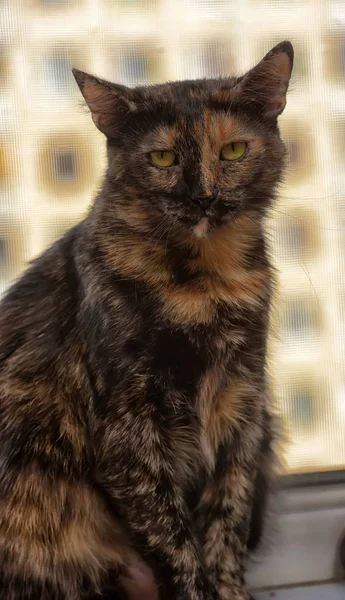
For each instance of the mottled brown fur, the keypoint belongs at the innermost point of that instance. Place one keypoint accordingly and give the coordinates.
(134, 408)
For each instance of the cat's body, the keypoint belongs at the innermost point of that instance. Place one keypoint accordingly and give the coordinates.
(134, 413)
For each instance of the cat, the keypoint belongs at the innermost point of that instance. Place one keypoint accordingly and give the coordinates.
(135, 421)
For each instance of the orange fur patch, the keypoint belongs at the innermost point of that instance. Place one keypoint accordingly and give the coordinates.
(186, 306)
(76, 521)
(220, 410)
(138, 258)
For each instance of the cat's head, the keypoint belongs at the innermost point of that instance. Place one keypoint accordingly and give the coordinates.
(191, 155)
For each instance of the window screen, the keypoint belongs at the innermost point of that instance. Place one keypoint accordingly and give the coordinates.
(51, 160)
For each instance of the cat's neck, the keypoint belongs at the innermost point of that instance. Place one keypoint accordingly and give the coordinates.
(221, 259)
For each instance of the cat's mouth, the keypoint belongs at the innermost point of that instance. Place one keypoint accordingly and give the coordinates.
(202, 223)
(206, 224)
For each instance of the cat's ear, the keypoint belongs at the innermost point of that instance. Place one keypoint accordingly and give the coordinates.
(267, 83)
(108, 102)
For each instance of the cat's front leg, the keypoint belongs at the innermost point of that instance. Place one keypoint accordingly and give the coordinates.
(226, 531)
(137, 477)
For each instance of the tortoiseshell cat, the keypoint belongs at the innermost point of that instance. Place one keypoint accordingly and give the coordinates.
(134, 416)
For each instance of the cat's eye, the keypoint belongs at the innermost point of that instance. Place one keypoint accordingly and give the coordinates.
(233, 151)
(163, 158)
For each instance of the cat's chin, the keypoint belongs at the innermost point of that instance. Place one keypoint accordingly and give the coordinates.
(206, 226)
(202, 228)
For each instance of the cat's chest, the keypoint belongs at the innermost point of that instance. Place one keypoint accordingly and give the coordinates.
(225, 409)
(199, 364)
(185, 356)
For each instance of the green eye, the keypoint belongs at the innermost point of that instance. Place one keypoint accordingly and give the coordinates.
(233, 151)
(164, 158)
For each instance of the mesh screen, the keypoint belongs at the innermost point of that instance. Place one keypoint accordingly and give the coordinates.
(51, 159)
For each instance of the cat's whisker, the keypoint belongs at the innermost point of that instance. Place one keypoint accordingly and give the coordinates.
(308, 198)
(305, 221)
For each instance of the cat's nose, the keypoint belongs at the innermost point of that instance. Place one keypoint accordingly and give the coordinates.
(203, 201)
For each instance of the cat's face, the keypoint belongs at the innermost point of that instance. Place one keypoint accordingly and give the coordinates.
(196, 169)
(190, 156)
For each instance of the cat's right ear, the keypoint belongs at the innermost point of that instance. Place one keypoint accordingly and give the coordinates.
(108, 102)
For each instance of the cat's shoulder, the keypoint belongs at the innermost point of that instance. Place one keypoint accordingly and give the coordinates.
(43, 302)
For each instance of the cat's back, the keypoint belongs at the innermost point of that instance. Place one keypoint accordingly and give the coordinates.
(42, 379)
(49, 515)
(44, 300)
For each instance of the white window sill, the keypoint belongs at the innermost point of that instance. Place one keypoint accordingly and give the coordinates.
(302, 545)
(331, 591)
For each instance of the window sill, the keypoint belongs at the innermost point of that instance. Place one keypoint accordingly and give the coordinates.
(331, 591)
(302, 546)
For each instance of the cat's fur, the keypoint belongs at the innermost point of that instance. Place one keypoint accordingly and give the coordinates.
(134, 416)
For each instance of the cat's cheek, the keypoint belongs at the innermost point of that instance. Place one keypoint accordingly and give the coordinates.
(140, 583)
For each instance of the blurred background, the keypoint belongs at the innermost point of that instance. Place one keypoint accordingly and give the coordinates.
(52, 159)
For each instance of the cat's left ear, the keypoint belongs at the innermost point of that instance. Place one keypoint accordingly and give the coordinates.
(108, 102)
(266, 84)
